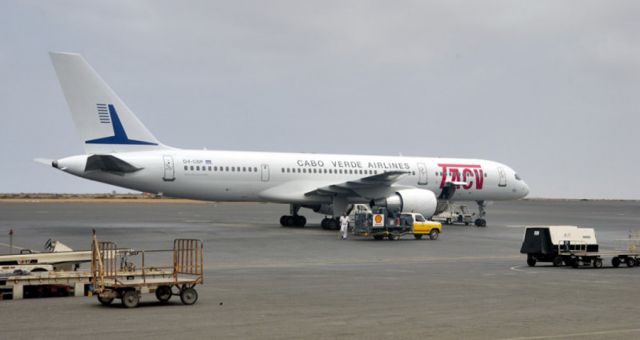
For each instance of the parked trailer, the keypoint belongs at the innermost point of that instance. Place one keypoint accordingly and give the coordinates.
(571, 246)
(125, 273)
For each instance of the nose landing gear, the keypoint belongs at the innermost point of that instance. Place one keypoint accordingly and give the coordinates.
(481, 221)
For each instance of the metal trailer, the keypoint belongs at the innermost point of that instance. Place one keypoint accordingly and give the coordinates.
(124, 273)
(455, 213)
(379, 225)
(579, 256)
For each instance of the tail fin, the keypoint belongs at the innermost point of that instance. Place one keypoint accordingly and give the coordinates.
(104, 122)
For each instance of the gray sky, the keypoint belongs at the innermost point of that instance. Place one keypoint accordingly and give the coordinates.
(550, 88)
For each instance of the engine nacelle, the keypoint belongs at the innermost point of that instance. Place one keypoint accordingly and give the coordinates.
(325, 209)
(410, 200)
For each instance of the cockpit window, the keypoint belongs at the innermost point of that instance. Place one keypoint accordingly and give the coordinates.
(518, 177)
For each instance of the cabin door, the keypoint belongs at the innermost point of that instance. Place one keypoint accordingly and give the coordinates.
(169, 169)
(422, 174)
(264, 172)
(502, 177)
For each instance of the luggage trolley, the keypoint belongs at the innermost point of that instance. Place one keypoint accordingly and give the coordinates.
(120, 273)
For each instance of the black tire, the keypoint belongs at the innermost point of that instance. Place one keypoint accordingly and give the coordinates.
(188, 296)
(466, 223)
(531, 261)
(302, 221)
(433, 235)
(477, 222)
(378, 237)
(483, 222)
(631, 262)
(105, 301)
(417, 236)
(392, 237)
(289, 221)
(575, 263)
(332, 224)
(448, 221)
(323, 224)
(130, 299)
(557, 261)
(597, 263)
(283, 220)
(615, 262)
(163, 293)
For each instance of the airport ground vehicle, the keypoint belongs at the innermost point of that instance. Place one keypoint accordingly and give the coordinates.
(572, 246)
(56, 256)
(379, 225)
(126, 273)
(455, 213)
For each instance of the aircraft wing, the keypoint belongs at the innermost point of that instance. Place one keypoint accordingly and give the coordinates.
(360, 187)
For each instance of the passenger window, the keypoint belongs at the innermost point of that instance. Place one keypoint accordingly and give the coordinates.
(282, 170)
(419, 218)
(198, 168)
(209, 167)
(226, 168)
(315, 171)
(304, 170)
(186, 167)
(244, 169)
(255, 169)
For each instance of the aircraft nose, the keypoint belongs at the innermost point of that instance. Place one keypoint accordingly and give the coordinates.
(525, 189)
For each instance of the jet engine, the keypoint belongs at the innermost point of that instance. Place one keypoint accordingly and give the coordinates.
(409, 200)
(325, 209)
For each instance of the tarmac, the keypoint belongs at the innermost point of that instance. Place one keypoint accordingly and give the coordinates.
(263, 281)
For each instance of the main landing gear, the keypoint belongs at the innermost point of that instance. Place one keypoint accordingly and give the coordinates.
(329, 223)
(293, 220)
(480, 221)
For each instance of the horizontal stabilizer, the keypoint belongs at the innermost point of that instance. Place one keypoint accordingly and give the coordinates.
(109, 163)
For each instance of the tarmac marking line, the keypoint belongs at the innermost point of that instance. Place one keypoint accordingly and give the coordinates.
(573, 335)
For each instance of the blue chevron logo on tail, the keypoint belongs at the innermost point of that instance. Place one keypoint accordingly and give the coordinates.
(119, 135)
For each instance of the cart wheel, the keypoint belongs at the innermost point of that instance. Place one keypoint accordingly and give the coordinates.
(105, 301)
(531, 261)
(188, 296)
(433, 234)
(597, 263)
(417, 236)
(631, 262)
(163, 293)
(557, 261)
(615, 262)
(130, 299)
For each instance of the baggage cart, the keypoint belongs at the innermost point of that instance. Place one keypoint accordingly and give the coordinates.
(120, 273)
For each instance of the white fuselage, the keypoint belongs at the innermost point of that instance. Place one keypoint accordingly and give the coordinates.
(288, 177)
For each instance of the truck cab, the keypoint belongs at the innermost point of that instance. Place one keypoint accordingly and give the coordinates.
(420, 226)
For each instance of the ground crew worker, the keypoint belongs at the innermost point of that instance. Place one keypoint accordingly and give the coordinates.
(344, 226)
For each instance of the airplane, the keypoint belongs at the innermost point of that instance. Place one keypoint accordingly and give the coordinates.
(121, 151)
